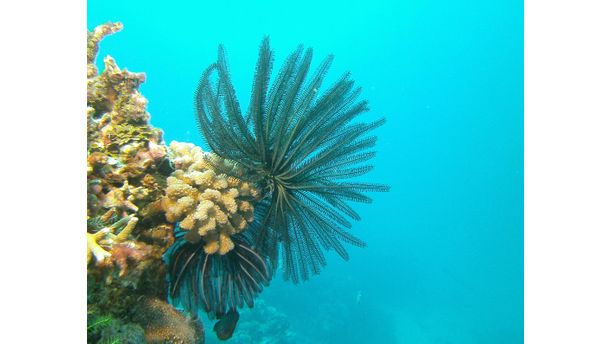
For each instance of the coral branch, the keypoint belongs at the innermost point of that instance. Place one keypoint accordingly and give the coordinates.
(106, 238)
(93, 39)
(93, 248)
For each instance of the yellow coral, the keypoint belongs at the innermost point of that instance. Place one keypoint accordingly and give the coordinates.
(211, 195)
(94, 249)
(105, 238)
(207, 226)
(233, 182)
(212, 246)
(199, 198)
(188, 222)
(123, 235)
(225, 244)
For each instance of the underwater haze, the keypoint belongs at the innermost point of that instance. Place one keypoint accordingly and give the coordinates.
(444, 262)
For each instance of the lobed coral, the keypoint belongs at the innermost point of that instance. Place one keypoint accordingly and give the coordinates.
(212, 206)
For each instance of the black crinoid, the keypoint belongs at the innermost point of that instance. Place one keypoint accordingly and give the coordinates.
(302, 146)
(216, 283)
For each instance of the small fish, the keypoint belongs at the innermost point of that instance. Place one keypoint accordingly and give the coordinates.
(358, 298)
(226, 325)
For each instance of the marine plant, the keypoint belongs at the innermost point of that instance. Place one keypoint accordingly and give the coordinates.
(300, 147)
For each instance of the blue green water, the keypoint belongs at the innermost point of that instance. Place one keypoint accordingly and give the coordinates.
(445, 257)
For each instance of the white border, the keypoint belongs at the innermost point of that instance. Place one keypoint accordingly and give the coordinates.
(568, 190)
(42, 107)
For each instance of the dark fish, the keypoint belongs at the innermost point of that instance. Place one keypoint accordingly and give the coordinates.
(226, 325)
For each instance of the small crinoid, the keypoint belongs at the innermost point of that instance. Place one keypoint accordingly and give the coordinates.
(300, 146)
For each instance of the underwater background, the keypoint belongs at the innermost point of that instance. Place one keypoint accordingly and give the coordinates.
(444, 262)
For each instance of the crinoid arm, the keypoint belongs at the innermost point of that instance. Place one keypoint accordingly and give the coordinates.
(216, 283)
(304, 144)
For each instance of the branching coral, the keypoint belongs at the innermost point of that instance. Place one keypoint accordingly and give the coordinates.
(107, 237)
(212, 206)
(93, 40)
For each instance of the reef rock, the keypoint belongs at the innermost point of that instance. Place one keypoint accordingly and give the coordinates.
(127, 168)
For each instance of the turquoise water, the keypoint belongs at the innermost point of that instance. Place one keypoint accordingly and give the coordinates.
(445, 257)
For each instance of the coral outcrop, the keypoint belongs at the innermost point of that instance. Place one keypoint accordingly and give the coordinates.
(212, 206)
(127, 168)
(127, 158)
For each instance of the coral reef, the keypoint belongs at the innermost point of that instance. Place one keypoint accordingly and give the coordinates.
(212, 205)
(127, 167)
(127, 161)
(346, 310)
(264, 324)
(274, 188)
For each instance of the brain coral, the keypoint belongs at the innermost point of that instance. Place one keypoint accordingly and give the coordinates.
(165, 325)
(209, 204)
